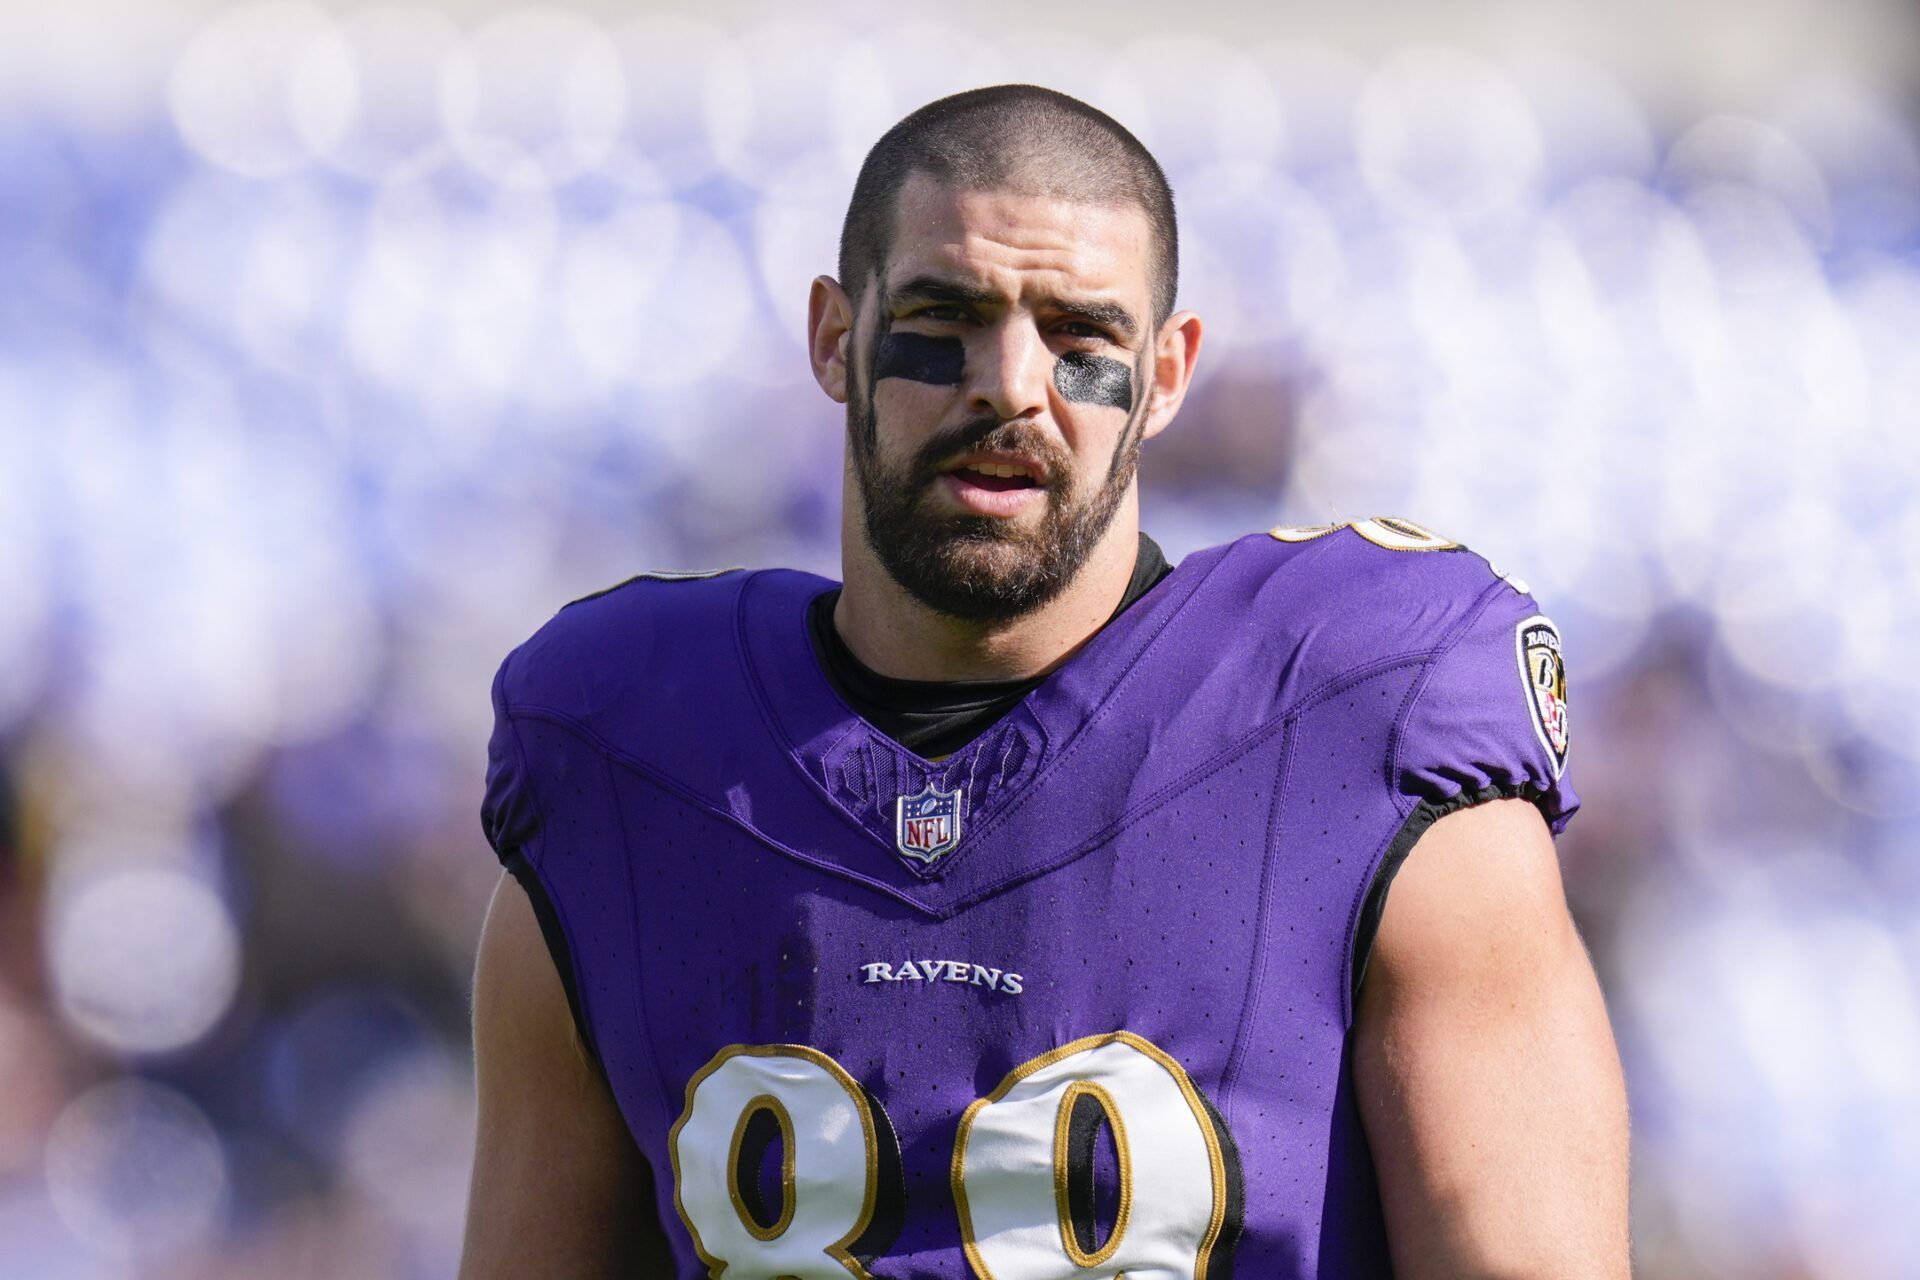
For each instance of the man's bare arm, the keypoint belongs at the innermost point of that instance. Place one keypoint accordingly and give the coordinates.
(559, 1189)
(1484, 1065)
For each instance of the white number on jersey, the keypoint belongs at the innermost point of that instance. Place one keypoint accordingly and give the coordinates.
(1022, 1166)
(829, 1164)
(1014, 1164)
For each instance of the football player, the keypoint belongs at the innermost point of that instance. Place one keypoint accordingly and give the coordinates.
(1019, 907)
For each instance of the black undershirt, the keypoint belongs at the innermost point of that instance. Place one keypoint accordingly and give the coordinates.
(935, 718)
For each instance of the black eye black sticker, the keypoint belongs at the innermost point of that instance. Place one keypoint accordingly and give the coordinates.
(1086, 378)
(919, 358)
(1080, 376)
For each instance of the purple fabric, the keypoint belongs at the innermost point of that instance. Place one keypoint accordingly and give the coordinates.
(1172, 836)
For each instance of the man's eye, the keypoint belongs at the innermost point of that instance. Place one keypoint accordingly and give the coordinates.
(1082, 329)
(944, 312)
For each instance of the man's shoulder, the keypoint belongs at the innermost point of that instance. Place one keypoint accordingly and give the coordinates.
(1345, 596)
(655, 602)
(658, 626)
(1329, 606)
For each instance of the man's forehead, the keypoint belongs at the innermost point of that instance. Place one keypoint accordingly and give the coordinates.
(1010, 240)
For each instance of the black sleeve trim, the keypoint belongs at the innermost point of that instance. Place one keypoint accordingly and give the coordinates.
(556, 938)
(1424, 815)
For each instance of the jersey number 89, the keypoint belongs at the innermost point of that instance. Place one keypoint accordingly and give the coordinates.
(1022, 1168)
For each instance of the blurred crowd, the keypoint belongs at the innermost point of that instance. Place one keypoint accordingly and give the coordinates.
(338, 348)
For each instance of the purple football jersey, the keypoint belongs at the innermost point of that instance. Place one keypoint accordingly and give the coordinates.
(1072, 1001)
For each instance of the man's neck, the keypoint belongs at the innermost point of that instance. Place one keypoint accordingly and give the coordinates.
(896, 635)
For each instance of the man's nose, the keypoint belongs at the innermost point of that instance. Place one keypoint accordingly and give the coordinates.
(1009, 372)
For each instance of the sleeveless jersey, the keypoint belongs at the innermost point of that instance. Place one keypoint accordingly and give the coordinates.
(1073, 1001)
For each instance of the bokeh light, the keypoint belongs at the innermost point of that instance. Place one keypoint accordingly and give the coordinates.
(534, 96)
(397, 54)
(135, 1169)
(263, 86)
(144, 961)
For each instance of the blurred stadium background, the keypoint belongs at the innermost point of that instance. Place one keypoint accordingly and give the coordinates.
(340, 345)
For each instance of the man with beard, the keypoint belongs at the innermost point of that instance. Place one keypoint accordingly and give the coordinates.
(1004, 911)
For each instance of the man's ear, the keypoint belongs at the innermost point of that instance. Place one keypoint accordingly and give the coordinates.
(829, 329)
(1178, 346)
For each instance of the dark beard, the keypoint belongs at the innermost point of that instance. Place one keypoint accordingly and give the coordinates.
(981, 568)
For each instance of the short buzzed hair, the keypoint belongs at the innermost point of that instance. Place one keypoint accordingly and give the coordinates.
(1017, 137)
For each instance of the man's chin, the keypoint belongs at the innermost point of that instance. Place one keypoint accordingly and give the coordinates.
(983, 573)
(977, 568)
(991, 556)
(937, 525)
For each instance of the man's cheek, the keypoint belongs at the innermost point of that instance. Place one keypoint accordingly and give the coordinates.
(906, 413)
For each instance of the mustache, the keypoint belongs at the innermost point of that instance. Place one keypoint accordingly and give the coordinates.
(992, 434)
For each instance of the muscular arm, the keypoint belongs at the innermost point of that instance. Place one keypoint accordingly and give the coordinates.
(1484, 1066)
(559, 1189)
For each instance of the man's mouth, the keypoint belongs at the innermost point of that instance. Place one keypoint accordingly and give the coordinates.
(997, 470)
(996, 477)
(993, 483)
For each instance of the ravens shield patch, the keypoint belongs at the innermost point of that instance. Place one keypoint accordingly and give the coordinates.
(1544, 675)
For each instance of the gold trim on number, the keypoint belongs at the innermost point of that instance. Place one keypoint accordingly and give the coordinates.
(772, 1106)
(838, 1250)
(1062, 1168)
(1216, 1162)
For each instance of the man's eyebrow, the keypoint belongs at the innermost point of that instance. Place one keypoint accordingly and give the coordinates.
(940, 289)
(1109, 314)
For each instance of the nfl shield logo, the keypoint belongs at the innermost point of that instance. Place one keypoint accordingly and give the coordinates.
(927, 826)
